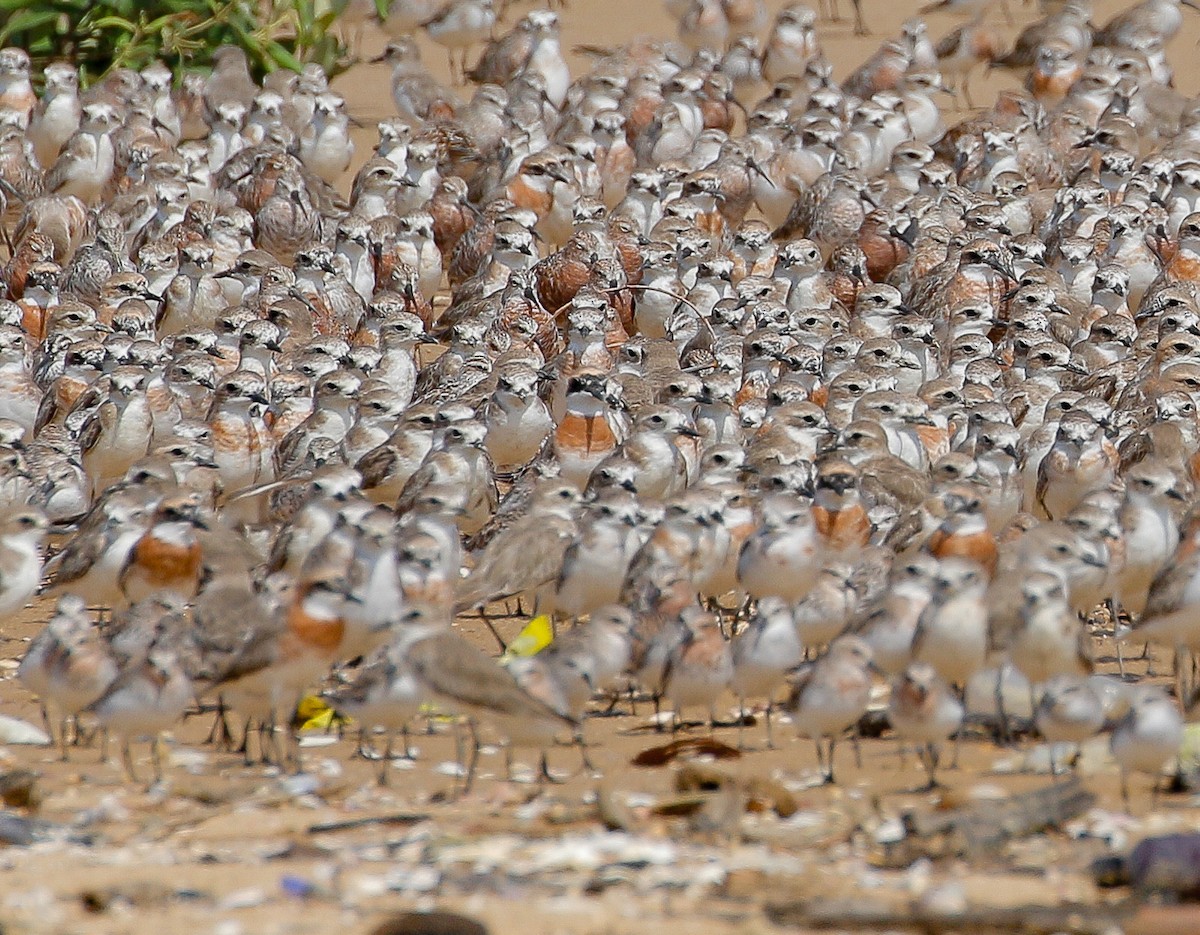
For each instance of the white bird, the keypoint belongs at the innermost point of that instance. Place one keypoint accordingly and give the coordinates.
(763, 653)
(923, 709)
(1147, 737)
(22, 536)
(830, 696)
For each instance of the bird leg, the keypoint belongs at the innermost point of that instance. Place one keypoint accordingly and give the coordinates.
(267, 738)
(1003, 734)
(474, 757)
(244, 747)
(545, 771)
(220, 736)
(952, 88)
(586, 762)
(385, 760)
(860, 26)
(930, 758)
(1181, 675)
(487, 621)
(1111, 606)
(156, 757)
(291, 745)
(127, 760)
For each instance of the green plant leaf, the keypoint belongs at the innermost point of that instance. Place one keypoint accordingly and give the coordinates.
(114, 22)
(101, 34)
(283, 58)
(305, 15)
(27, 21)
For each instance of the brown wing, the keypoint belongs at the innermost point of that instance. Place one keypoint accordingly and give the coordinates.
(459, 672)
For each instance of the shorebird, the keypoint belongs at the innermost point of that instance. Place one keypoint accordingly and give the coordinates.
(456, 674)
(458, 26)
(763, 653)
(963, 49)
(924, 709)
(1146, 737)
(1069, 711)
(839, 368)
(830, 696)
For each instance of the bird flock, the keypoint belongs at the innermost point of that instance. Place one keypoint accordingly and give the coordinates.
(759, 385)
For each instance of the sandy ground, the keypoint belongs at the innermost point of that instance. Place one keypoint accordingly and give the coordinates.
(224, 848)
(611, 22)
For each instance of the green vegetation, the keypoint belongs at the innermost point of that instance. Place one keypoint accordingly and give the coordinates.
(102, 34)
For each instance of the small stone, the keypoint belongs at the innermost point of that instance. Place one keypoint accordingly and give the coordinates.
(19, 789)
(1167, 865)
(16, 830)
(247, 898)
(890, 832)
(317, 740)
(14, 730)
(297, 887)
(301, 784)
(429, 923)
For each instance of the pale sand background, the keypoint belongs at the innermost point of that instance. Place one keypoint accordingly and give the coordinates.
(230, 835)
(611, 22)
